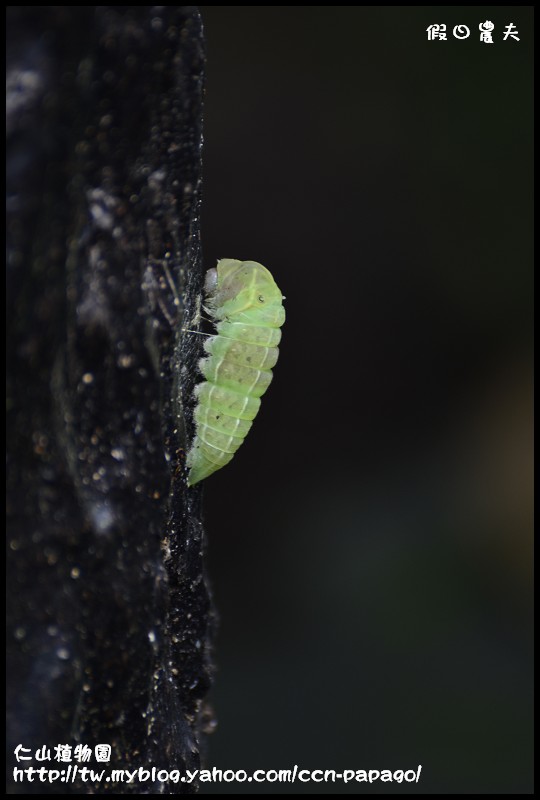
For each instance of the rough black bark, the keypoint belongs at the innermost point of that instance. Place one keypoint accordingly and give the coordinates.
(109, 617)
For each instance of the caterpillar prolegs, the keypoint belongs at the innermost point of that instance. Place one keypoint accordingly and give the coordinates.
(246, 306)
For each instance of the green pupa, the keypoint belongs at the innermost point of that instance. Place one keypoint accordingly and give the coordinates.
(246, 306)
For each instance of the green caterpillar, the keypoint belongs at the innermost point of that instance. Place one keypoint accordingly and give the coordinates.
(246, 306)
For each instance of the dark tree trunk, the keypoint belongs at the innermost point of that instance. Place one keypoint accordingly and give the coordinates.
(109, 618)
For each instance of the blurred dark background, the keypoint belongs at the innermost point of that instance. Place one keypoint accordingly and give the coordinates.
(370, 546)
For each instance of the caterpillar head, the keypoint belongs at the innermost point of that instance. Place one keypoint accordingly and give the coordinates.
(235, 286)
